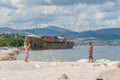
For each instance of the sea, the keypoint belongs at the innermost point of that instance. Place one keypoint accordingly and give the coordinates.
(78, 52)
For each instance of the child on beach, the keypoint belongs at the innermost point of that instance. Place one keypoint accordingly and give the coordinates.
(26, 47)
(90, 51)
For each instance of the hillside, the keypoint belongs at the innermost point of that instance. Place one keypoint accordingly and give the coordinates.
(7, 30)
(51, 31)
(102, 34)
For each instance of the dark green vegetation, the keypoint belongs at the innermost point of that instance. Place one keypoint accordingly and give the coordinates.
(14, 42)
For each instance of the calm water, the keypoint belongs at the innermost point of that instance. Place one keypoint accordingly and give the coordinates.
(77, 53)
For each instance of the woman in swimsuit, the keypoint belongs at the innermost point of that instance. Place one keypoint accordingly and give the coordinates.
(26, 47)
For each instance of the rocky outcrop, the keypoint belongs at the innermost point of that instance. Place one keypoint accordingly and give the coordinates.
(9, 54)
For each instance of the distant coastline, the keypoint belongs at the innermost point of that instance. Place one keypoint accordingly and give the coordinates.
(98, 42)
(101, 34)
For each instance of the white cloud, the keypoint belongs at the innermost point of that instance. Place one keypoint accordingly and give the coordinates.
(17, 3)
(75, 15)
(43, 25)
(99, 15)
(48, 9)
(48, 1)
(4, 15)
(82, 16)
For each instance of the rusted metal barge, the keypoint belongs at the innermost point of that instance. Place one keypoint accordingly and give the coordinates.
(48, 42)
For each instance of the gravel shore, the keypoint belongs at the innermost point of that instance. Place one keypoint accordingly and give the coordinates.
(79, 70)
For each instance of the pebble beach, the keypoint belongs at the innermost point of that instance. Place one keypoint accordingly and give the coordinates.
(80, 70)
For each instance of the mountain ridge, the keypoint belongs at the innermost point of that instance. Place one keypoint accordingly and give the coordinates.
(103, 34)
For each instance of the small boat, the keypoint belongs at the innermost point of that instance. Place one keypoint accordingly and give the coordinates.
(49, 42)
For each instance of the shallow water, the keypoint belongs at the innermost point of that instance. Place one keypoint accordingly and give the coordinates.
(77, 53)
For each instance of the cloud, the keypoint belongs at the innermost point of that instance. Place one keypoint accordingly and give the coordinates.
(4, 15)
(99, 15)
(78, 15)
(5, 3)
(11, 4)
(61, 3)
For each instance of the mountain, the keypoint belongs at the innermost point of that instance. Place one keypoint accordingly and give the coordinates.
(7, 30)
(102, 34)
(51, 31)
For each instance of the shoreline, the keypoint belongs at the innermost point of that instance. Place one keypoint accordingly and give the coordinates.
(79, 70)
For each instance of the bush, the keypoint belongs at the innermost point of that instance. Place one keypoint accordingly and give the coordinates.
(14, 42)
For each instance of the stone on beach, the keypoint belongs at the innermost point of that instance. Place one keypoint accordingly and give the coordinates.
(9, 54)
(64, 76)
(118, 65)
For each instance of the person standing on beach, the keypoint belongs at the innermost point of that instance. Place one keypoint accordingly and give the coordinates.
(27, 47)
(90, 51)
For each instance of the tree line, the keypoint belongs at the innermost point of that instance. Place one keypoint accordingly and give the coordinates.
(12, 42)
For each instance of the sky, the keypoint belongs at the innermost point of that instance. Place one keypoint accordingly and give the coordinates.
(76, 15)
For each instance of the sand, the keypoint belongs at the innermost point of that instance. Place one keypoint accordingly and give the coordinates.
(79, 70)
